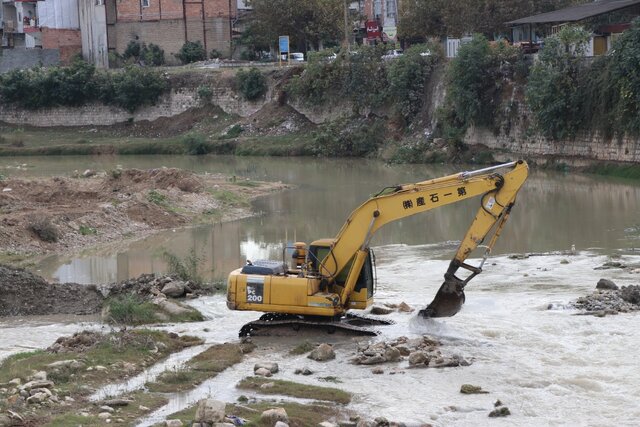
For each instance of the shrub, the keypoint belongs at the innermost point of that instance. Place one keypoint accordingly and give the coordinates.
(79, 84)
(191, 52)
(131, 310)
(86, 230)
(134, 88)
(195, 144)
(552, 90)
(185, 268)
(476, 79)
(215, 54)
(204, 93)
(233, 132)
(153, 54)
(132, 50)
(44, 229)
(339, 139)
(252, 84)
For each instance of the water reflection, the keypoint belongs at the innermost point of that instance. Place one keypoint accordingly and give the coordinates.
(554, 211)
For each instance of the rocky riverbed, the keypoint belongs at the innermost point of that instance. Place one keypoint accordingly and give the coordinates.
(609, 299)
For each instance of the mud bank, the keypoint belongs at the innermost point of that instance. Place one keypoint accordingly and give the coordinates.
(62, 214)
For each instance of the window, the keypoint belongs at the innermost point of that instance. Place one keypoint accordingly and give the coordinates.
(145, 3)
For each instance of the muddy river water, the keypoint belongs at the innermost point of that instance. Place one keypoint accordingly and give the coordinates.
(549, 367)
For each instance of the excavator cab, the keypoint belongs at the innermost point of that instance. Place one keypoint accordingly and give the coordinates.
(362, 295)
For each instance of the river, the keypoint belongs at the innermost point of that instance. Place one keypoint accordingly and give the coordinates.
(549, 366)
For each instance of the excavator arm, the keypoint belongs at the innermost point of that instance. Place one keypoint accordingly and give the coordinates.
(497, 186)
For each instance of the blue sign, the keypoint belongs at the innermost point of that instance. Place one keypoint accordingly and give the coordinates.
(283, 42)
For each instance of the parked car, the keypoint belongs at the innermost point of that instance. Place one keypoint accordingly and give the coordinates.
(297, 56)
(392, 54)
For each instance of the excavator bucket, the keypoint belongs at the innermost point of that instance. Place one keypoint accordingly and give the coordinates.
(448, 301)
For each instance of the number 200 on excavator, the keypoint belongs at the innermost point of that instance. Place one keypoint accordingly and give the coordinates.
(332, 276)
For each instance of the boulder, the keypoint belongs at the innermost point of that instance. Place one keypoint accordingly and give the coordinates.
(5, 421)
(417, 358)
(392, 354)
(170, 307)
(281, 424)
(37, 398)
(267, 385)
(88, 173)
(327, 424)
(273, 415)
(173, 423)
(39, 376)
(380, 310)
(173, 289)
(210, 411)
(303, 371)
(37, 384)
(40, 390)
(272, 367)
(502, 411)
(403, 307)
(322, 353)
(377, 371)
(606, 284)
(104, 415)
(108, 409)
(262, 372)
(472, 389)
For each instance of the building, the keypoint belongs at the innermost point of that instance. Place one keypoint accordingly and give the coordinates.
(168, 24)
(381, 24)
(39, 32)
(606, 19)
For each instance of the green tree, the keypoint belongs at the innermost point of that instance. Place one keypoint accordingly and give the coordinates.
(552, 90)
(306, 22)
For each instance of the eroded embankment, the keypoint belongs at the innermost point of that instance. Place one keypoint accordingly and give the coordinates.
(59, 214)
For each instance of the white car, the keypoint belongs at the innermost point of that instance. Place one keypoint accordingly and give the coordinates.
(391, 54)
(297, 56)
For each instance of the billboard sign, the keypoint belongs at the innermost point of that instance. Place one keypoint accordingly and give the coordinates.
(373, 30)
(283, 43)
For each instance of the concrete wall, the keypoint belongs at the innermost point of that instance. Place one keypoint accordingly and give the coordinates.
(169, 105)
(585, 146)
(93, 28)
(11, 59)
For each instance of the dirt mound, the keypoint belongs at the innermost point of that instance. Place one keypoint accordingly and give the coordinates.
(77, 343)
(275, 119)
(61, 214)
(24, 293)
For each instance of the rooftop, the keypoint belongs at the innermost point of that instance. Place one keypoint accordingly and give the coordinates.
(576, 13)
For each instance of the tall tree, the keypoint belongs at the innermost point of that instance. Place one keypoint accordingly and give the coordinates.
(423, 18)
(308, 23)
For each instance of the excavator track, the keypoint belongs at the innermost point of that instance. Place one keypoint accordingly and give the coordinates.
(350, 323)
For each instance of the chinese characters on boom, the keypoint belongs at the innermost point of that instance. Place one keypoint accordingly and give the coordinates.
(434, 198)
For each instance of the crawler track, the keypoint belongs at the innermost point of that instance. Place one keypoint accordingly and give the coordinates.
(351, 323)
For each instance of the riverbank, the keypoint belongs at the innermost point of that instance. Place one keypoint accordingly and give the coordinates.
(65, 214)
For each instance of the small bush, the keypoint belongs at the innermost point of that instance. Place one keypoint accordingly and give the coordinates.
(85, 230)
(133, 88)
(131, 310)
(204, 93)
(191, 52)
(195, 144)
(184, 268)
(215, 54)
(44, 229)
(252, 84)
(157, 198)
(341, 139)
(233, 132)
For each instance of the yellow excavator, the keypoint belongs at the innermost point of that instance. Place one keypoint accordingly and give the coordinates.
(328, 278)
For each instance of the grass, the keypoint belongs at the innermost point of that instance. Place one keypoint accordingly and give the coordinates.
(293, 389)
(229, 198)
(157, 198)
(128, 413)
(620, 171)
(203, 366)
(131, 310)
(302, 348)
(16, 258)
(85, 230)
(109, 350)
(184, 268)
(299, 415)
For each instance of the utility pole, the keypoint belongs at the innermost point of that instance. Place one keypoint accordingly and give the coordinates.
(346, 24)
